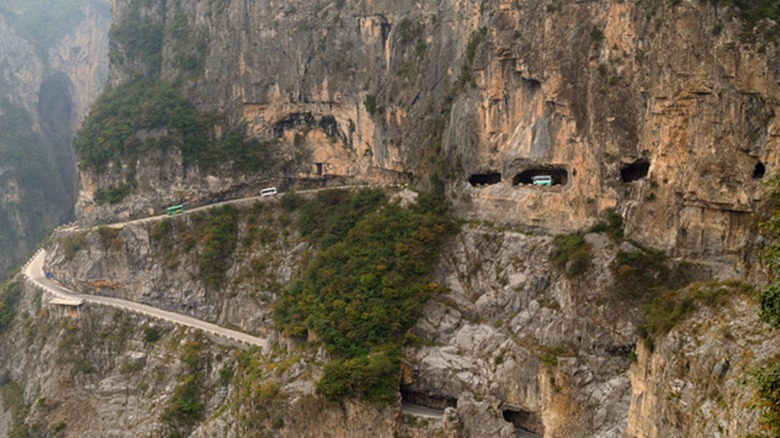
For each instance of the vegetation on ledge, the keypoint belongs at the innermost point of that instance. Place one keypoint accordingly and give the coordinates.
(9, 295)
(141, 117)
(362, 293)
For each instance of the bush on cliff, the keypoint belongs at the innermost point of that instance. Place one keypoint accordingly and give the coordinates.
(365, 290)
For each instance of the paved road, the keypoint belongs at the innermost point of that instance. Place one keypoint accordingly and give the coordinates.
(421, 411)
(73, 227)
(436, 414)
(33, 271)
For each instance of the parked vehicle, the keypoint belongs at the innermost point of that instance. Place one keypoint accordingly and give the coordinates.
(174, 209)
(268, 191)
(542, 180)
(49, 275)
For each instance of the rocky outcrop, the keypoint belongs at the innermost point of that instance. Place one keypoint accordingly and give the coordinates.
(696, 381)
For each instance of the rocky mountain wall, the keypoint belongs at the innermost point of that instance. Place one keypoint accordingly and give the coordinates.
(483, 95)
(46, 92)
(515, 343)
(96, 372)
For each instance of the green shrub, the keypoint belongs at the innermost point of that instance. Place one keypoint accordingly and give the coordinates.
(766, 380)
(13, 400)
(371, 105)
(769, 298)
(113, 195)
(370, 377)
(170, 122)
(136, 39)
(751, 12)
(226, 375)
(151, 335)
(596, 36)
(668, 308)
(218, 243)
(73, 244)
(185, 408)
(9, 296)
(612, 225)
(161, 231)
(108, 134)
(327, 218)
(110, 238)
(769, 301)
(641, 274)
(471, 52)
(572, 254)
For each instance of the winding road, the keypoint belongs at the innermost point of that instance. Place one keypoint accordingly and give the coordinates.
(33, 272)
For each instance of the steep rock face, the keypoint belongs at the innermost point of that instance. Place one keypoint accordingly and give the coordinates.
(486, 95)
(166, 264)
(517, 345)
(694, 382)
(97, 372)
(46, 93)
(593, 89)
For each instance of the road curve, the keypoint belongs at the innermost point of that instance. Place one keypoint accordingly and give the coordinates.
(33, 272)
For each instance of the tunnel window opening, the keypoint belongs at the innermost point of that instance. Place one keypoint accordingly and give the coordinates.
(636, 170)
(318, 168)
(525, 420)
(759, 171)
(484, 179)
(428, 400)
(558, 175)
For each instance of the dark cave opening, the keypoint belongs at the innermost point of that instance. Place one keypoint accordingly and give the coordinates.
(559, 175)
(486, 179)
(636, 170)
(525, 420)
(428, 400)
(759, 171)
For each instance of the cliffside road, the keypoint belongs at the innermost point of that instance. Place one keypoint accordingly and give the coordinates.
(421, 411)
(34, 273)
(437, 414)
(238, 201)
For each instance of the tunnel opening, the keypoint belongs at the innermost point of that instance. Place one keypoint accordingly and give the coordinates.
(428, 400)
(759, 171)
(484, 179)
(636, 170)
(525, 420)
(559, 176)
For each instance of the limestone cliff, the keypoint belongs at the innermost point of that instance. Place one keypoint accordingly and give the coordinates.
(46, 89)
(660, 111)
(483, 95)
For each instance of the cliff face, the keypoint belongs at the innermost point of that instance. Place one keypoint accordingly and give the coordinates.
(516, 342)
(484, 96)
(46, 91)
(94, 372)
(694, 383)
(661, 112)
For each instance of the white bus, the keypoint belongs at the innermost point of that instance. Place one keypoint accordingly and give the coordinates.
(268, 191)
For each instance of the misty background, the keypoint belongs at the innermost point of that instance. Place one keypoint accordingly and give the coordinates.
(53, 64)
